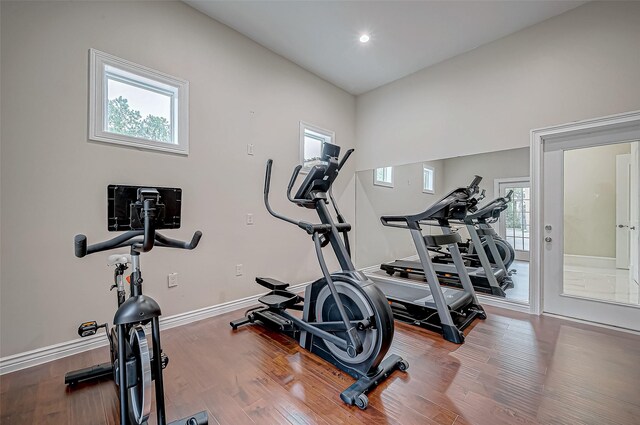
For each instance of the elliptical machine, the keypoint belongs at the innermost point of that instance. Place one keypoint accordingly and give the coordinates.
(141, 210)
(346, 319)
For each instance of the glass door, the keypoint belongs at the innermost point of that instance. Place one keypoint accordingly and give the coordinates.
(590, 205)
(515, 223)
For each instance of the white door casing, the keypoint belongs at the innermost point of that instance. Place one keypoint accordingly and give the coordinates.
(547, 146)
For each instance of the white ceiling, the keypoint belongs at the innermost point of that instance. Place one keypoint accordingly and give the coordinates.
(406, 36)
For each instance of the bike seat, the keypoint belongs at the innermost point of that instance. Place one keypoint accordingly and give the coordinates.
(114, 259)
(273, 284)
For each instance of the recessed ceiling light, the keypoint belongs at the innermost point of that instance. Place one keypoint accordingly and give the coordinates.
(364, 38)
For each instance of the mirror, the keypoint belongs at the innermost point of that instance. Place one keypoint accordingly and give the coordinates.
(412, 188)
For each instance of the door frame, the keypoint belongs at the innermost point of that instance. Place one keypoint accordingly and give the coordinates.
(625, 126)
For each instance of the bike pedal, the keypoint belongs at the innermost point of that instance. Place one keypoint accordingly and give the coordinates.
(164, 360)
(88, 329)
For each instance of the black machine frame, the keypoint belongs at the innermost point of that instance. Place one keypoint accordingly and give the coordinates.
(133, 314)
(342, 339)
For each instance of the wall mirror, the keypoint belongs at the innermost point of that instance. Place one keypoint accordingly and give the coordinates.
(413, 188)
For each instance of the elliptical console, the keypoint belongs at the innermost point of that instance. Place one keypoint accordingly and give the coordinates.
(346, 319)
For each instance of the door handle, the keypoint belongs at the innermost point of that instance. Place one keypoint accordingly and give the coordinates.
(547, 239)
(632, 227)
(620, 226)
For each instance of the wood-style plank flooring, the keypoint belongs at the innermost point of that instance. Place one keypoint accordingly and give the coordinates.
(513, 369)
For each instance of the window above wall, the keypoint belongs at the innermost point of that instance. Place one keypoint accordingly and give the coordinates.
(383, 176)
(133, 105)
(428, 179)
(311, 140)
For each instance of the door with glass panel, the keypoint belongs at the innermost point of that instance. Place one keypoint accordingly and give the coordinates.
(590, 244)
(515, 223)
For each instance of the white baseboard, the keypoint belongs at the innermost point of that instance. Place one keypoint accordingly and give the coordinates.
(596, 324)
(505, 303)
(589, 261)
(53, 352)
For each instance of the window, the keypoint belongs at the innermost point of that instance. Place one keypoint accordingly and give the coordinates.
(311, 140)
(136, 106)
(428, 179)
(383, 176)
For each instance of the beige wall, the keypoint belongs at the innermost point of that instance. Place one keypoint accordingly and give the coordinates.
(376, 243)
(581, 64)
(53, 181)
(590, 200)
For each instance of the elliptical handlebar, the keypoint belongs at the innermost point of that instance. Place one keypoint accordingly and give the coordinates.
(345, 157)
(310, 228)
(294, 177)
(267, 187)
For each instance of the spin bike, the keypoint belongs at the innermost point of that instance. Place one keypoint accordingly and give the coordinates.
(346, 319)
(141, 210)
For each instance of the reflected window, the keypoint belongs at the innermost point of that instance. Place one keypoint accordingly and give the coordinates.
(383, 176)
(428, 179)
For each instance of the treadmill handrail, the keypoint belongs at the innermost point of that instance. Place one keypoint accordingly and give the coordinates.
(459, 195)
(487, 211)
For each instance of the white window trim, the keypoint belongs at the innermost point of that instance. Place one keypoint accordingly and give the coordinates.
(304, 126)
(97, 113)
(433, 179)
(382, 183)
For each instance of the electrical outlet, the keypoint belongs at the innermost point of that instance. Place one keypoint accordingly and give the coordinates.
(173, 280)
(249, 219)
(250, 149)
(238, 269)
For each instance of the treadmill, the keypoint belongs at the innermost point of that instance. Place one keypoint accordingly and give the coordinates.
(448, 311)
(488, 278)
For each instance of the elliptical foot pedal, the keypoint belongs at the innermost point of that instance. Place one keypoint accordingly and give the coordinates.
(273, 284)
(200, 418)
(279, 299)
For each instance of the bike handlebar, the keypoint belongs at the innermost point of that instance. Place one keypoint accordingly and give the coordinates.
(127, 239)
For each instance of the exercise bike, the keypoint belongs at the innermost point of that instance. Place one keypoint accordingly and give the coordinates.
(346, 319)
(140, 210)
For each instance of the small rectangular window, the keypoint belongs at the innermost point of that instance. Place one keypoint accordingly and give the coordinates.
(311, 140)
(383, 176)
(428, 179)
(136, 106)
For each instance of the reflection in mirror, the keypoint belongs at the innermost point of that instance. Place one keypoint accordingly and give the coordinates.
(601, 223)
(418, 185)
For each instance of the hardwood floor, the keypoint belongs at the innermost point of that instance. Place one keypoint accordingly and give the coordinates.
(513, 369)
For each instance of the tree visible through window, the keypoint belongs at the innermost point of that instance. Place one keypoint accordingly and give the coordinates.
(132, 105)
(124, 120)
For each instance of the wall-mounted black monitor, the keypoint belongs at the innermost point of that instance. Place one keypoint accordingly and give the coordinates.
(124, 205)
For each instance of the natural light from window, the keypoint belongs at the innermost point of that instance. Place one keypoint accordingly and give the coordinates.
(132, 105)
(312, 138)
(428, 179)
(383, 176)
